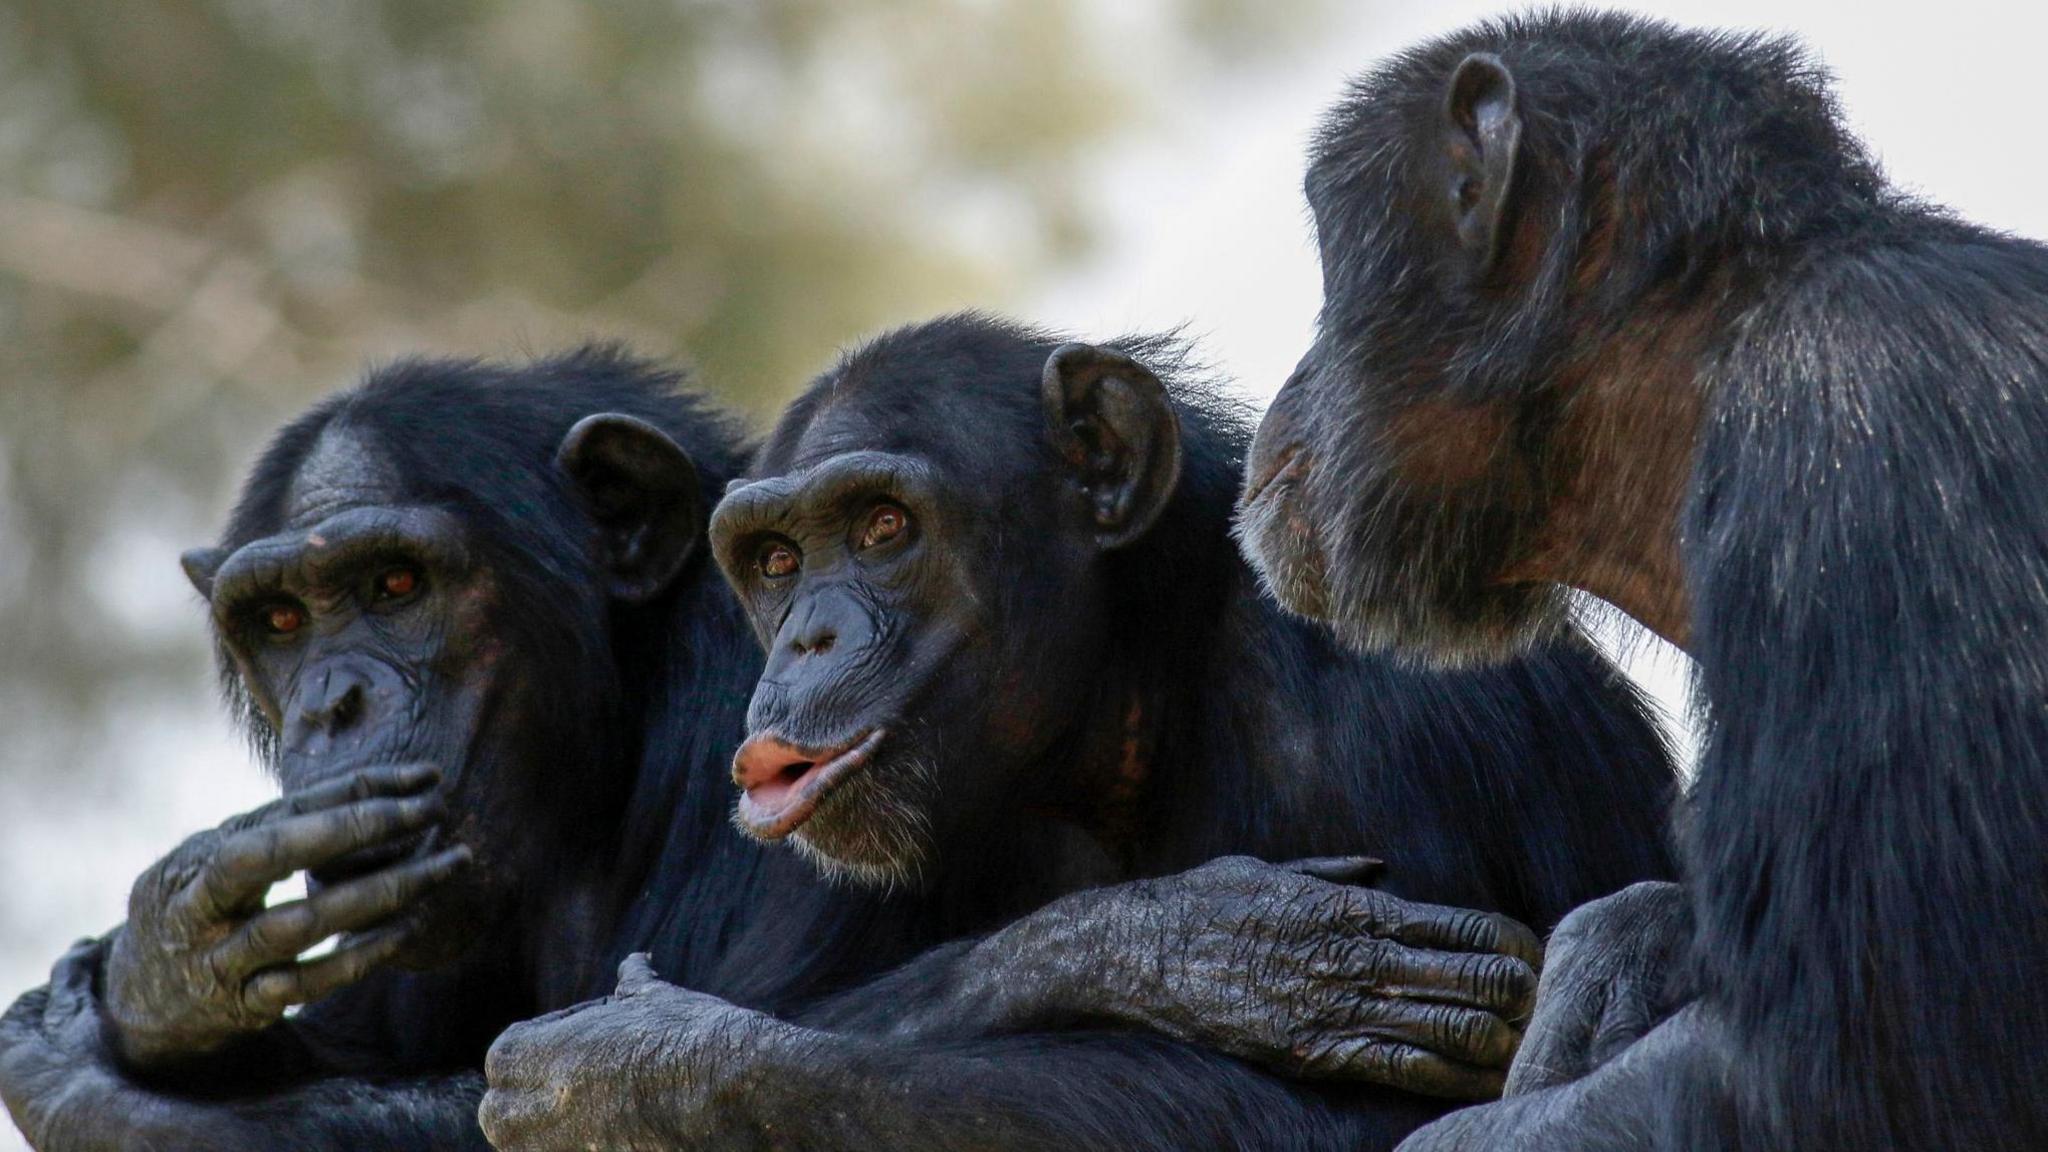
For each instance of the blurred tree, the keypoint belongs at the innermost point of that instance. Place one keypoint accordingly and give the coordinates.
(211, 210)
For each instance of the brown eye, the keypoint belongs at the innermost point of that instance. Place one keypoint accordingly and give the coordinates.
(398, 583)
(776, 561)
(284, 619)
(885, 523)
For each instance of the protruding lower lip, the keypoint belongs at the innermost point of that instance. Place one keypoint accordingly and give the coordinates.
(1288, 467)
(773, 810)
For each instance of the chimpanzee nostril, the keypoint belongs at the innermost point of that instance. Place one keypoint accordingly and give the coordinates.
(347, 709)
(816, 644)
(337, 708)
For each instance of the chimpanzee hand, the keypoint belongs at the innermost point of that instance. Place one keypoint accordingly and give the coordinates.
(64, 1088)
(650, 1066)
(201, 961)
(1615, 973)
(1298, 968)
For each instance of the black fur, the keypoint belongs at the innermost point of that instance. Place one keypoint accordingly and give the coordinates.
(1525, 789)
(1864, 552)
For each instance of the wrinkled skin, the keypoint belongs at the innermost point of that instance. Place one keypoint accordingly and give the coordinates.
(567, 1079)
(361, 628)
(1293, 967)
(359, 635)
(1615, 1045)
(1616, 969)
(1625, 1105)
(922, 717)
(1367, 986)
(1277, 965)
(67, 1090)
(900, 649)
(201, 961)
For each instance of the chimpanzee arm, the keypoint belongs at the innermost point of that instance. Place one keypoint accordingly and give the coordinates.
(66, 1089)
(1616, 970)
(656, 1066)
(202, 971)
(1669, 1091)
(1294, 967)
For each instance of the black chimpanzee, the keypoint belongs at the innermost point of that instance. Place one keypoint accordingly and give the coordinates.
(1618, 306)
(1011, 648)
(464, 610)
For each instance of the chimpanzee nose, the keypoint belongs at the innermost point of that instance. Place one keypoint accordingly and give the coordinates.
(341, 703)
(336, 704)
(824, 620)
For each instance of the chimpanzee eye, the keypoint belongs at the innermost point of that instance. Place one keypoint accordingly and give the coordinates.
(283, 619)
(885, 523)
(398, 583)
(776, 560)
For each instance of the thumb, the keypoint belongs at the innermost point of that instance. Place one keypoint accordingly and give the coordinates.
(636, 975)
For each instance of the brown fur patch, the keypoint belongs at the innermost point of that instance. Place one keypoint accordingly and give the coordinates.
(1440, 443)
(1620, 467)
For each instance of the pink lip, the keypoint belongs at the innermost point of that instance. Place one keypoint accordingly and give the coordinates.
(773, 808)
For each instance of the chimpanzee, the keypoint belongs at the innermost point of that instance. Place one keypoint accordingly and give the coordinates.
(465, 613)
(1618, 306)
(1011, 647)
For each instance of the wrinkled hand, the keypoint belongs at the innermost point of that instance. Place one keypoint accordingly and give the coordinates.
(201, 961)
(64, 1088)
(650, 1066)
(1615, 973)
(1298, 968)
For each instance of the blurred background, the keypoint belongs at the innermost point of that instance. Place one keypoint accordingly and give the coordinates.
(212, 211)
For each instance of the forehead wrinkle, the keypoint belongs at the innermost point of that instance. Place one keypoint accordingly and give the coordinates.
(830, 435)
(344, 469)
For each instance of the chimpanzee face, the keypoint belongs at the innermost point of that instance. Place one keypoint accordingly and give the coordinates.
(1392, 489)
(372, 627)
(928, 593)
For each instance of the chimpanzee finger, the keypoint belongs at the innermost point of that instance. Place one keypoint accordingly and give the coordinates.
(1503, 985)
(279, 934)
(71, 981)
(518, 1052)
(248, 862)
(1448, 929)
(364, 784)
(1338, 869)
(1403, 1066)
(271, 991)
(636, 975)
(1469, 1036)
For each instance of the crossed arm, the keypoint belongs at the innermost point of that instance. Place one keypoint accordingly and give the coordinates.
(146, 1036)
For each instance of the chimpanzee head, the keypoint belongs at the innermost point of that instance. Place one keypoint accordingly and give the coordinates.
(1532, 234)
(927, 549)
(431, 568)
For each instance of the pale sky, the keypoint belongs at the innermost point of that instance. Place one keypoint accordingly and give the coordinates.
(1205, 226)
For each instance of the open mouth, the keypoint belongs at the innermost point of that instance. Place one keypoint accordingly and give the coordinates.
(786, 782)
(1289, 467)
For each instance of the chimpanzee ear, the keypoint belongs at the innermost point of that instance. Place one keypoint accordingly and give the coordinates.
(201, 565)
(1109, 418)
(1484, 141)
(641, 489)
